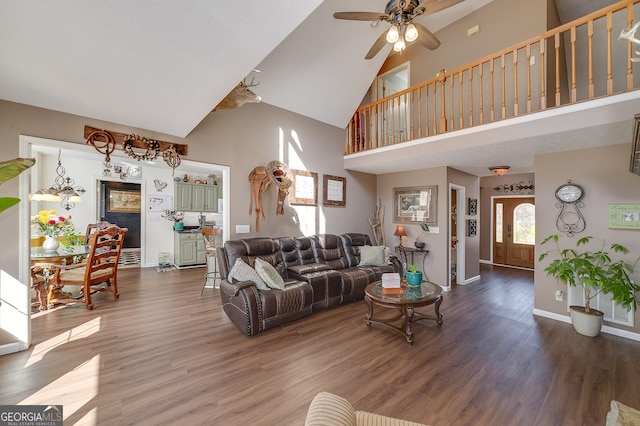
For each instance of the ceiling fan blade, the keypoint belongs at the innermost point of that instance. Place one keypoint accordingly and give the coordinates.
(426, 37)
(433, 6)
(377, 46)
(360, 16)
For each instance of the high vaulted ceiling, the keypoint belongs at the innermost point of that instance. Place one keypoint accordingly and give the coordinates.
(163, 66)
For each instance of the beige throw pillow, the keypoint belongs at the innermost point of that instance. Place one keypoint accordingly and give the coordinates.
(372, 256)
(269, 274)
(243, 272)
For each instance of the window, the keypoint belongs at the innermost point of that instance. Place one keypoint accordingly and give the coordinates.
(524, 224)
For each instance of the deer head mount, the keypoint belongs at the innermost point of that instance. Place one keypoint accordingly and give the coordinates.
(240, 95)
(630, 34)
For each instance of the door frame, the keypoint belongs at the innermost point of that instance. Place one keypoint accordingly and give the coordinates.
(493, 197)
(461, 195)
(377, 95)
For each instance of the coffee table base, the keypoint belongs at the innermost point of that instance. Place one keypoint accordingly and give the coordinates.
(407, 315)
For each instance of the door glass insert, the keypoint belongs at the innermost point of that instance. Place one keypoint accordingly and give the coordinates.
(524, 225)
(498, 222)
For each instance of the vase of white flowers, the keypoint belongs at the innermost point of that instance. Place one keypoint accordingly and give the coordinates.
(176, 217)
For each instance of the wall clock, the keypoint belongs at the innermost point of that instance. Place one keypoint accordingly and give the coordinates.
(569, 193)
(570, 219)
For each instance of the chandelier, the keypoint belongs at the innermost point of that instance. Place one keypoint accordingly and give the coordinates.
(63, 190)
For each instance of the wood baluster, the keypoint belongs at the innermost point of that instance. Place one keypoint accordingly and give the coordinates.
(504, 87)
(461, 105)
(481, 104)
(543, 80)
(451, 85)
(590, 89)
(629, 50)
(574, 92)
(528, 78)
(492, 112)
(435, 108)
(557, 46)
(515, 82)
(470, 96)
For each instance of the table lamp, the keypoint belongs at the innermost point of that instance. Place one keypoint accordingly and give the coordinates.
(400, 232)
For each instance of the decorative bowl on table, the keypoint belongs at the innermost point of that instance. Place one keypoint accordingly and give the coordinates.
(419, 245)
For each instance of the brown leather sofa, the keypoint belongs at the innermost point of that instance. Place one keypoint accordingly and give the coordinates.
(320, 272)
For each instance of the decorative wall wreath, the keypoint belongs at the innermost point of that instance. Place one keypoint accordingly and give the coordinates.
(152, 152)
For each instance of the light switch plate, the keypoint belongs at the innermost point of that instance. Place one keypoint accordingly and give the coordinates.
(243, 229)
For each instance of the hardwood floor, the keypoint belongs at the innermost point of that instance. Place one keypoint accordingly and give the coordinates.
(163, 354)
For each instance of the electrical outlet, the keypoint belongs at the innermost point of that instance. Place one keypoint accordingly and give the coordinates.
(559, 295)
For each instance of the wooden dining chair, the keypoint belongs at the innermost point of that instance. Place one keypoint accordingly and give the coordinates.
(99, 267)
(92, 228)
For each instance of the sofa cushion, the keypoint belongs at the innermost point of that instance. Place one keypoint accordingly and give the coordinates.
(269, 274)
(309, 268)
(621, 415)
(328, 409)
(243, 272)
(366, 418)
(372, 256)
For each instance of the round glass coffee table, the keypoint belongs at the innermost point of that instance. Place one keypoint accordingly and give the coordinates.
(405, 301)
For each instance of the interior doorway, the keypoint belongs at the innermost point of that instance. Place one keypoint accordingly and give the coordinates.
(394, 115)
(456, 224)
(514, 224)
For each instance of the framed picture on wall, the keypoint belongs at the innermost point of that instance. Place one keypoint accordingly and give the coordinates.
(124, 201)
(334, 190)
(416, 204)
(304, 189)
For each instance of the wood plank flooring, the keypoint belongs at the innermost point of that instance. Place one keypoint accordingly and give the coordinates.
(163, 354)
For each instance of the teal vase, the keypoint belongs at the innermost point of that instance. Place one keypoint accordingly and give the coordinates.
(178, 226)
(414, 278)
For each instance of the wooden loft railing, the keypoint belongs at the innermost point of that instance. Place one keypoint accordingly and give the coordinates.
(579, 61)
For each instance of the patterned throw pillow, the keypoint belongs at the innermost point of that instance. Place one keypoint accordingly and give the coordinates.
(243, 272)
(269, 274)
(372, 256)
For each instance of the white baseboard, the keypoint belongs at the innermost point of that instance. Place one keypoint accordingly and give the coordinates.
(488, 262)
(605, 328)
(470, 280)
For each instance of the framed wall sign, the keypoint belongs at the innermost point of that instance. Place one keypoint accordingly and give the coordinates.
(473, 206)
(624, 216)
(416, 204)
(334, 190)
(304, 189)
(124, 201)
(472, 227)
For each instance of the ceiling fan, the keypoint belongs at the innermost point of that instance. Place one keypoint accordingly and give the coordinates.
(400, 14)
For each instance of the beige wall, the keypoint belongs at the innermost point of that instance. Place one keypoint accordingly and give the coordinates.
(487, 185)
(242, 140)
(603, 173)
(458, 49)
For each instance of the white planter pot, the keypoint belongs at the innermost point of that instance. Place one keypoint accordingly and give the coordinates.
(586, 324)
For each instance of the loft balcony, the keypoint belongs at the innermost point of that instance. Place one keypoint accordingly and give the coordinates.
(569, 88)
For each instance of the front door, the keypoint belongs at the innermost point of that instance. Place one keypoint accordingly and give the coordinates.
(514, 224)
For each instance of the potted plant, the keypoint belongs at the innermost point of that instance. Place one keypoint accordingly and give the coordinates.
(413, 276)
(420, 244)
(598, 273)
(9, 170)
(176, 217)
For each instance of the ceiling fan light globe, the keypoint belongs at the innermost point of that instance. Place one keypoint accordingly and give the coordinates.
(399, 45)
(411, 33)
(393, 35)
